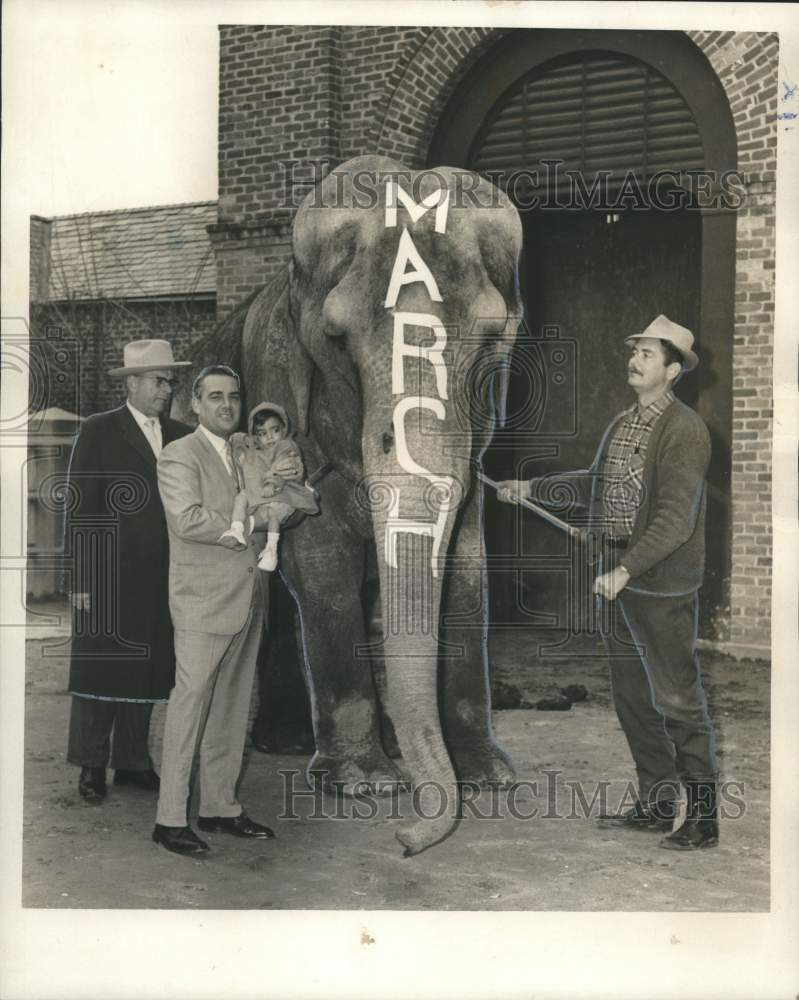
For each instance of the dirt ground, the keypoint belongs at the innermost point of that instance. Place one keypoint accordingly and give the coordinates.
(78, 855)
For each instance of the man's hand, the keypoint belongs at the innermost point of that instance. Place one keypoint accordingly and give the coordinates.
(609, 584)
(512, 490)
(288, 468)
(81, 602)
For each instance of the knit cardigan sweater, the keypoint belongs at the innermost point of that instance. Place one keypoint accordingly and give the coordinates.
(666, 552)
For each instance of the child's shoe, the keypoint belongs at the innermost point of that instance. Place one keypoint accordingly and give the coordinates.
(268, 560)
(234, 538)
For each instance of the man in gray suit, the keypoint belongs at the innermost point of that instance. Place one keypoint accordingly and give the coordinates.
(217, 607)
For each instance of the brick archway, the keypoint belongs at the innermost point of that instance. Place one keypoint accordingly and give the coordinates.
(421, 85)
(686, 68)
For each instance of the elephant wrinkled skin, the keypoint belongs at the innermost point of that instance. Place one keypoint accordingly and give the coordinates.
(386, 338)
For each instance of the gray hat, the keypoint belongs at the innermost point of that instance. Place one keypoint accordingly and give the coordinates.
(678, 336)
(147, 356)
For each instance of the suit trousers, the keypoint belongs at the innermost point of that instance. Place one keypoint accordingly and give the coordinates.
(658, 693)
(209, 707)
(91, 722)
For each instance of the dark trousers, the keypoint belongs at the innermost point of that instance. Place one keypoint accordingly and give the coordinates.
(91, 722)
(658, 692)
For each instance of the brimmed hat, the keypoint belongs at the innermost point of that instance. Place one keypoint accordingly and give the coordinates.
(147, 356)
(679, 337)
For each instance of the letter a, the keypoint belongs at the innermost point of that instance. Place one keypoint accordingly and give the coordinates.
(408, 254)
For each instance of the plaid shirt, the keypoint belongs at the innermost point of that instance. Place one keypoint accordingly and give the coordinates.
(622, 471)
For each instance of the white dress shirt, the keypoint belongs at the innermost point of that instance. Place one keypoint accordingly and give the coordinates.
(220, 447)
(151, 428)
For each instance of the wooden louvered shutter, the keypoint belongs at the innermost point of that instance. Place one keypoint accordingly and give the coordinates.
(596, 112)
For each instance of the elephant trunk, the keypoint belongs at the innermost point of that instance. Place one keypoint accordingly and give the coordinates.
(413, 521)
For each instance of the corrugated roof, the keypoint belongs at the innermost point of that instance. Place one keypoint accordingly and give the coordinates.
(134, 253)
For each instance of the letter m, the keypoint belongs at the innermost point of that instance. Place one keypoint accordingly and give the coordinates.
(438, 199)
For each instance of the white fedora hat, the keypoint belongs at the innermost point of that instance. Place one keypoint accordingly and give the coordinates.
(147, 356)
(678, 336)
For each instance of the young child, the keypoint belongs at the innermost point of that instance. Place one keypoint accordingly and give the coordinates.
(266, 495)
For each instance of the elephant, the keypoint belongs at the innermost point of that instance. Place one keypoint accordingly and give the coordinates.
(386, 338)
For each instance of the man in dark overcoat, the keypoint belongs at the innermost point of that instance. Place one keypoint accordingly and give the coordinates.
(122, 659)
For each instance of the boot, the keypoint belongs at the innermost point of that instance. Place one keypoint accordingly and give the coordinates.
(91, 784)
(701, 826)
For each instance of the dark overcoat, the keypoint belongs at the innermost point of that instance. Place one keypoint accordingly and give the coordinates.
(117, 549)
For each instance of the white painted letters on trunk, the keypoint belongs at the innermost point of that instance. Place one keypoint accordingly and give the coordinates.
(408, 254)
(441, 486)
(438, 198)
(402, 407)
(404, 350)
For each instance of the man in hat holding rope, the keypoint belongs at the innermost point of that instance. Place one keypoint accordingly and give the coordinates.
(647, 497)
(122, 657)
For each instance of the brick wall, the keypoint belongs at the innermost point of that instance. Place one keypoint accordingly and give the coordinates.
(75, 344)
(420, 85)
(39, 264)
(289, 95)
(280, 112)
(279, 100)
(746, 64)
(375, 61)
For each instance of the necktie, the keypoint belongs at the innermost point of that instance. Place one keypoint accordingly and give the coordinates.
(152, 432)
(228, 456)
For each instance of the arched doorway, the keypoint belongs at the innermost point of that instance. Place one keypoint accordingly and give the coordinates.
(613, 109)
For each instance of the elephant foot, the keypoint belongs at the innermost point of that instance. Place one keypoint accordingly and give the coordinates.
(372, 774)
(485, 765)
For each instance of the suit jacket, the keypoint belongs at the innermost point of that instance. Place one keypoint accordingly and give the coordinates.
(116, 545)
(666, 551)
(210, 586)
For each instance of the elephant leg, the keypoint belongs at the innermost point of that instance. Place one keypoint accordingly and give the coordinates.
(283, 724)
(464, 673)
(323, 566)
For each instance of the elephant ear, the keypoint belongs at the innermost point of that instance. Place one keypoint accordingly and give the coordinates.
(275, 357)
(500, 242)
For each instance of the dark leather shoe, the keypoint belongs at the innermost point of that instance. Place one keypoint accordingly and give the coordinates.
(179, 839)
(91, 784)
(701, 826)
(693, 835)
(239, 826)
(657, 818)
(148, 780)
